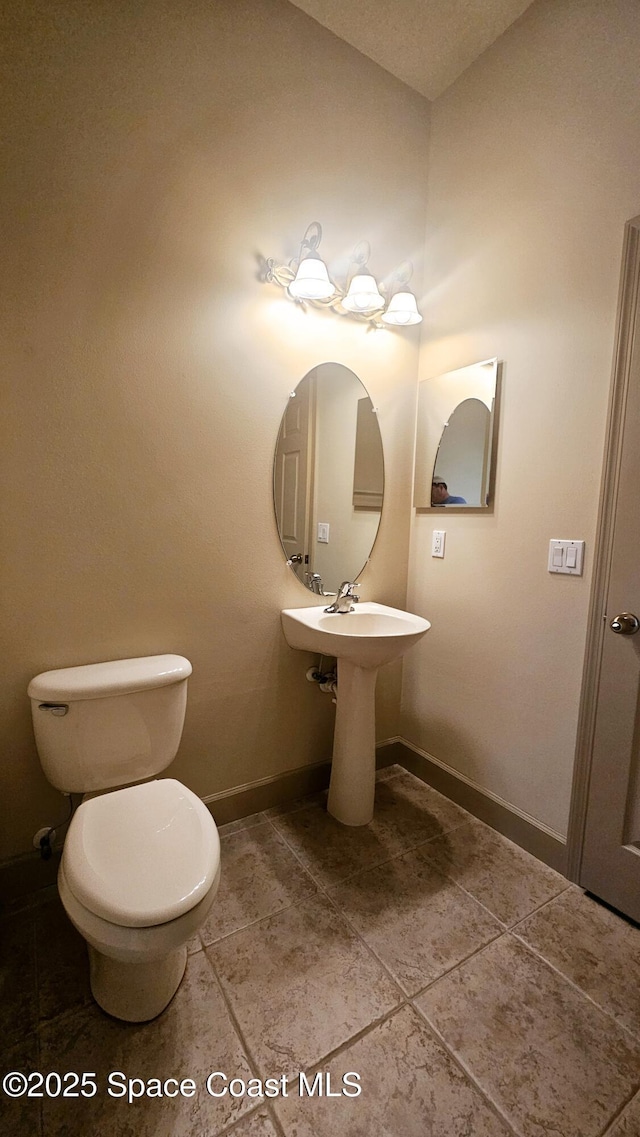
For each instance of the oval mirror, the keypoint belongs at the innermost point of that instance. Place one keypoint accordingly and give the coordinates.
(328, 478)
(461, 466)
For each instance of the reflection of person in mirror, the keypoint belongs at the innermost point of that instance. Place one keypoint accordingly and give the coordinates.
(440, 494)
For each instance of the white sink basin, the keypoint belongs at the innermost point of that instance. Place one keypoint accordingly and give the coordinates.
(362, 641)
(369, 636)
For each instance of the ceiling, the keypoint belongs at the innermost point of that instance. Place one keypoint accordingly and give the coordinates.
(425, 43)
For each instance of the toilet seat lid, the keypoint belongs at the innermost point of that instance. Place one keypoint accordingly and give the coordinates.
(143, 855)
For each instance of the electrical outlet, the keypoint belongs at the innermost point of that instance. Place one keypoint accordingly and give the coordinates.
(437, 542)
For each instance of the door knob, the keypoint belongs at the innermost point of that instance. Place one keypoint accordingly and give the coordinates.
(626, 624)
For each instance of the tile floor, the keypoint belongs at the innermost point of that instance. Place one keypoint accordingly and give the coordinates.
(474, 991)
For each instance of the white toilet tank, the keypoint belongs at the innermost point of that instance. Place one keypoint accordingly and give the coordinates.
(109, 724)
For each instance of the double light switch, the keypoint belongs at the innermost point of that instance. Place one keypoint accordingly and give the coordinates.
(566, 556)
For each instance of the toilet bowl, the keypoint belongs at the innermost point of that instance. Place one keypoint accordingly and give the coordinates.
(139, 872)
(140, 866)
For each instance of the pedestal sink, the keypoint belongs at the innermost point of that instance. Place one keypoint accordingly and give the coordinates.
(361, 640)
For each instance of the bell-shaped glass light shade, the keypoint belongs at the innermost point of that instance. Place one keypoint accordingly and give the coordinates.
(311, 281)
(402, 310)
(363, 295)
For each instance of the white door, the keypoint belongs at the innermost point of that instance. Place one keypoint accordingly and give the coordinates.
(609, 865)
(293, 475)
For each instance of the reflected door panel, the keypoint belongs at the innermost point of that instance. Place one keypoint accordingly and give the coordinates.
(291, 478)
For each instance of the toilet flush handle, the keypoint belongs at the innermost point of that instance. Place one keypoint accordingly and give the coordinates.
(55, 708)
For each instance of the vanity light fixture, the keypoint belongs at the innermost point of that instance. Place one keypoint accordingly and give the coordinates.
(402, 309)
(363, 295)
(307, 281)
(311, 280)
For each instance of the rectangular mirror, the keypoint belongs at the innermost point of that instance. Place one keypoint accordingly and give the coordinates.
(456, 435)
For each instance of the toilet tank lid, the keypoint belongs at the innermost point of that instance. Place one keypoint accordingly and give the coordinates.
(117, 677)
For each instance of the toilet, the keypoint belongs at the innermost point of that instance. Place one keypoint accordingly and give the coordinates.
(140, 866)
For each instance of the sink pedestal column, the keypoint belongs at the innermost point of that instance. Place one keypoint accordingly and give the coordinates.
(353, 769)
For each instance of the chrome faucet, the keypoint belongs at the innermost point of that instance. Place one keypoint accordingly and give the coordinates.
(314, 581)
(342, 602)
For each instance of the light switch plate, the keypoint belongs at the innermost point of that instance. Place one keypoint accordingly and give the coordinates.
(566, 556)
(323, 532)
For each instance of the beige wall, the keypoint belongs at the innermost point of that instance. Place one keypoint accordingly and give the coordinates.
(534, 169)
(154, 152)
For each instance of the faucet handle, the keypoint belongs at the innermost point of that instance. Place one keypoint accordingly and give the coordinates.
(347, 585)
(345, 594)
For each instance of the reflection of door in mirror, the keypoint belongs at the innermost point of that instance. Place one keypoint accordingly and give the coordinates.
(292, 477)
(462, 458)
(368, 468)
(328, 489)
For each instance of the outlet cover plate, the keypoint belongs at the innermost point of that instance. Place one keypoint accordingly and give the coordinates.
(437, 542)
